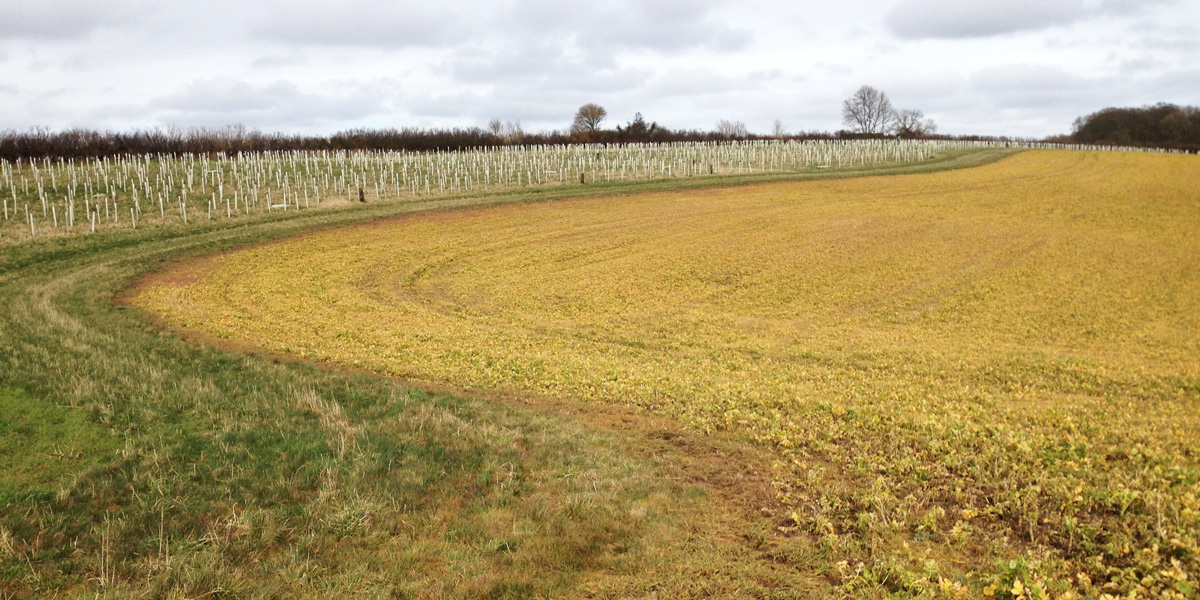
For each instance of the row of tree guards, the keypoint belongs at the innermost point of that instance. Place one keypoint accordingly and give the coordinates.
(57, 197)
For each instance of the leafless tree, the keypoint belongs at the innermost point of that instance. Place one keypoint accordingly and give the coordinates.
(780, 130)
(509, 131)
(911, 123)
(868, 111)
(588, 118)
(731, 129)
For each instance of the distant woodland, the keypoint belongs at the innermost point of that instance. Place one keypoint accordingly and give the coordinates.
(1160, 126)
(82, 143)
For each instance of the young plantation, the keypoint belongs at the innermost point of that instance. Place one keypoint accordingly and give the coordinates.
(975, 383)
(54, 198)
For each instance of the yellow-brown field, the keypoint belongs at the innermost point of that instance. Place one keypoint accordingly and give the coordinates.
(977, 381)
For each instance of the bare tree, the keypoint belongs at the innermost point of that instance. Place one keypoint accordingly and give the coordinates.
(869, 111)
(911, 123)
(513, 133)
(588, 118)
(731, 129)
(780, 130)
(509, 131)
(496, 127)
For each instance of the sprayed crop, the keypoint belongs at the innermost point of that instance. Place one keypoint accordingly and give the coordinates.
(979, 382)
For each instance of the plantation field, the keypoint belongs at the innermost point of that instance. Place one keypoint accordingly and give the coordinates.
(43, 198)
(136, 464)
(982, 381)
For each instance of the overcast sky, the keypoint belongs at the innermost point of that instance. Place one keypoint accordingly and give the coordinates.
(995, 67)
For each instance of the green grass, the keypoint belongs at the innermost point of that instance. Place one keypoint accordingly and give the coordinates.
(147, 466)
(42, 444)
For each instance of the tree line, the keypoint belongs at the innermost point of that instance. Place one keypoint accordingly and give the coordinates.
(85, 143)
(868, 113)
(1158, 126)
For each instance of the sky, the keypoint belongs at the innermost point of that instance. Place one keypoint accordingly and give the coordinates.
(1021, 68)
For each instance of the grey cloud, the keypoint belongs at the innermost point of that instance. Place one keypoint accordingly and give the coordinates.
(38, 108)
(1126, 7)
(916, 19)
(114, 115)
(1048, 98)
(692, 82)
(608, 81)
(62, 19)
(532, 108)
(553, 112)
(665, 25)
(531, 61)
(365, 23)
(225, 94)
(570, 76)
(1033, 86)
(1140, 64)
(225, 100)
(952, 19)
(451, 105)
(1178, 37)
(929, 92)
(279, 60)
(533, 97)
(577, 45)
(1177, 86)
(542, 65)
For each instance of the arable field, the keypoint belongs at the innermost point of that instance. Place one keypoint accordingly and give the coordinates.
(135, 464)
(974, 382)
